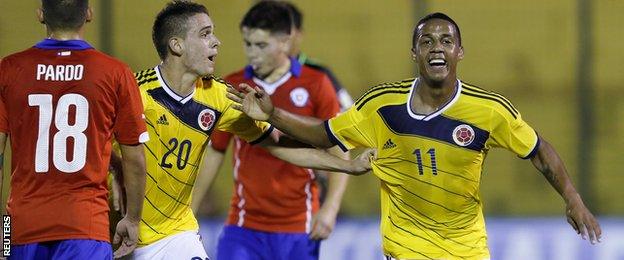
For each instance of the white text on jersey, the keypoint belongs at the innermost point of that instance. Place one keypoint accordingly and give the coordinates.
(59, 72)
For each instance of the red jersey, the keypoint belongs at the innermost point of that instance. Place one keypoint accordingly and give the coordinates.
(271, 194)
(61, 103)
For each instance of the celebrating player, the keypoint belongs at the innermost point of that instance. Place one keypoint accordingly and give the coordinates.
(181, 110)
(433, 133)
(61, 103)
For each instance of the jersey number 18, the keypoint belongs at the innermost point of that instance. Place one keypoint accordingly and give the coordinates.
(65, 131)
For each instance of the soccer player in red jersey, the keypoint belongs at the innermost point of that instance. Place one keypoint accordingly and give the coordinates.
(273, 200)
(61, 102)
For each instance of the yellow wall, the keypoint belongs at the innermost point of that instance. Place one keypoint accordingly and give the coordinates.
(526, 50)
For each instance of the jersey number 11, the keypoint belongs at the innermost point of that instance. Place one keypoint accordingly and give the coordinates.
(419, 159)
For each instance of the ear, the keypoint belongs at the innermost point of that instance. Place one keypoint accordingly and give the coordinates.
(413, 51)
(460, 55)
(286, 42)
(40, 15)
(176, 45)
(89, 14)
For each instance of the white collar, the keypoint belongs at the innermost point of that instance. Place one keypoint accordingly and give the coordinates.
(437, 112)
(272, 87)
(167, 89)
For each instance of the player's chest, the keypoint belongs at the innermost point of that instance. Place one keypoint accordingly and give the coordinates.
(437, 141)
(190, 118)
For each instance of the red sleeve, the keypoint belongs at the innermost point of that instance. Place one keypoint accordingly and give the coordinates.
(130, 121)
(219, 140)
(325, 100)
(4, 123)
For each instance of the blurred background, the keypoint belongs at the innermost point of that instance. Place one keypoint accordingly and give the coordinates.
(559, 61)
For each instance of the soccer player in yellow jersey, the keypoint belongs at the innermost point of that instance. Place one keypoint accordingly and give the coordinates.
(433, 133)
(183, 104)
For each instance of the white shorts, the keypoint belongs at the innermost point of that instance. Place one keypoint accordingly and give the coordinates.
(185, 245)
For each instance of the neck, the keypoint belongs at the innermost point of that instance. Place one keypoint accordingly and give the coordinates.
(65, 35)
(278, 72)
(435, 94)
(177, 78)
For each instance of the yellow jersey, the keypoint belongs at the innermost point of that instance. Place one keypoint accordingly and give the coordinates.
(430, 165)
(180, 128)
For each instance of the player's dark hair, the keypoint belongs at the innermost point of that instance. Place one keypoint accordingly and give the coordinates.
(431, 17)
(171, 22)
(273, 16)
(295, 15)
(64, 14)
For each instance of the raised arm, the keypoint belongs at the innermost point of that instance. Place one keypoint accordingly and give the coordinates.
(127, 231)
(208, 170)
(548, 162)
(257, 104)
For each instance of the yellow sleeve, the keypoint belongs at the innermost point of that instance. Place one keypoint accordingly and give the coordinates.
(351, 129)
(516, 135)
(250, 130)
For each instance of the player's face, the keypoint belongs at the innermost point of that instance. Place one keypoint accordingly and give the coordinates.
(437, 50)
(200, 45)
(265, 51)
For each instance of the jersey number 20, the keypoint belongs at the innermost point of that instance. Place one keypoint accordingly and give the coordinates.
(65, 131)
(184, 151)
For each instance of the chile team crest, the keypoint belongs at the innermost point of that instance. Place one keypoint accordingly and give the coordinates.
(299, 96)
(463, 135)
(206, 119)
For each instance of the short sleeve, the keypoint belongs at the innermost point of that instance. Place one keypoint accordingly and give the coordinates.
(516, 135)
(351, 129)
(219, 140)
(326, 102)
(237, 123)
(129, 126)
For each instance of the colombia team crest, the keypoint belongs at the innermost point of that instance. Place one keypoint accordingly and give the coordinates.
(463, 135)
(206, 119)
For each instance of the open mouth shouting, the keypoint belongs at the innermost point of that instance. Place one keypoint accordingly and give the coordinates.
(437, 63)
(212, 57)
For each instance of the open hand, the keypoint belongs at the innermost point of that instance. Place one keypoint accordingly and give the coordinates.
(127, 232)
(583, 221)
(254, 102)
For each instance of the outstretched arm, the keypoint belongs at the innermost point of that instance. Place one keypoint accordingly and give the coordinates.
(319, 159)
(548, 162)
(210, 166)
(256, 103)
(127, 231)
